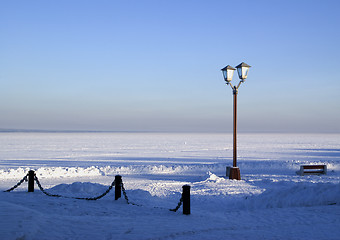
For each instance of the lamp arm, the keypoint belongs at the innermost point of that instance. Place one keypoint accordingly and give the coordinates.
(239, 84)
(231, 85)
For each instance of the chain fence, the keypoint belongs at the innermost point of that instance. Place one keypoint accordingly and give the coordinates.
(25, 178)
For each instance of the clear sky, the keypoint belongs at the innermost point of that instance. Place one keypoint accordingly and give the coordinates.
(155, 65)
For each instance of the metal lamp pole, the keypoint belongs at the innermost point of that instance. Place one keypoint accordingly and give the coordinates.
(235, 91)
(228, 71)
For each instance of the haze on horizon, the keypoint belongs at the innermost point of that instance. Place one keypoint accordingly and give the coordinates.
(155, 65)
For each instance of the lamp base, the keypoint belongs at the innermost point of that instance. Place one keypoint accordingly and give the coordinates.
(233, 173)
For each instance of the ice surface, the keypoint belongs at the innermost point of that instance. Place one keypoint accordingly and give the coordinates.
(270, 202)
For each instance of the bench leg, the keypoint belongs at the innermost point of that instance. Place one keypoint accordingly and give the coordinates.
(301, 172)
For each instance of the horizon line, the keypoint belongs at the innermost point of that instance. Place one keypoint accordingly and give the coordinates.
(14, 130)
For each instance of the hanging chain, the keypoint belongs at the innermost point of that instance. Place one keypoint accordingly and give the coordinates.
(124, 193)
(43, 190)
(126, 197)
(178, 205)
(128, 202)
(100, 196)
(56, 195)
(18, 184)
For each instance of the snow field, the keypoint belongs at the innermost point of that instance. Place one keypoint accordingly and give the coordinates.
(270, 202)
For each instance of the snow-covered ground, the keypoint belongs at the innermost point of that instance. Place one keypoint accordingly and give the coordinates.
(270, 202)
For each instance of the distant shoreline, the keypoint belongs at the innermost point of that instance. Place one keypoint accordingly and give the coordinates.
(169, 132)
(66, 131)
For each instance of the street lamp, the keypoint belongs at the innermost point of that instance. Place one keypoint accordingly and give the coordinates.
(228, 72)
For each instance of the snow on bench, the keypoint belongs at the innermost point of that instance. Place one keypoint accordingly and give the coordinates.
(312, 169)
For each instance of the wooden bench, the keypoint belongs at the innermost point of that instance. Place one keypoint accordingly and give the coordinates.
(312, 169)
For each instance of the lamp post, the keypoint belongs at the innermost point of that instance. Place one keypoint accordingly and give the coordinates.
(228, 72)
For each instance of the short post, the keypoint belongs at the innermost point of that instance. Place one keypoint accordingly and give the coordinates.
(118, 187)
(186, 199)
(31, 181)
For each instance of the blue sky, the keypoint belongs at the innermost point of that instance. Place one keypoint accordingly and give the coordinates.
(155, 65)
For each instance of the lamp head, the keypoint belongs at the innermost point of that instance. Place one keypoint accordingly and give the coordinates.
(228, 73)
(242, 70)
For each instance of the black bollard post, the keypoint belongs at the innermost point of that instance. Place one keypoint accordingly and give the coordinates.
(31, 181)
(118, 187)
(186, 199)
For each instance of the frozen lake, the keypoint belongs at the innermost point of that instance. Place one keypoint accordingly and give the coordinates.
(257, 153)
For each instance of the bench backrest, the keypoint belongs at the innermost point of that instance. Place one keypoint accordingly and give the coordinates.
(313, 166)
(312, 169)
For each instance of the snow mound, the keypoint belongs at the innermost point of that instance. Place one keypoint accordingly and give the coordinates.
(57, 172)
(13, 173)
(214, 178)
(300, 194)
(78, 189)
(222, 186)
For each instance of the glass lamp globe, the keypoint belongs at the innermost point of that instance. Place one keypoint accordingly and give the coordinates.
(242, 70)
(228, 73)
